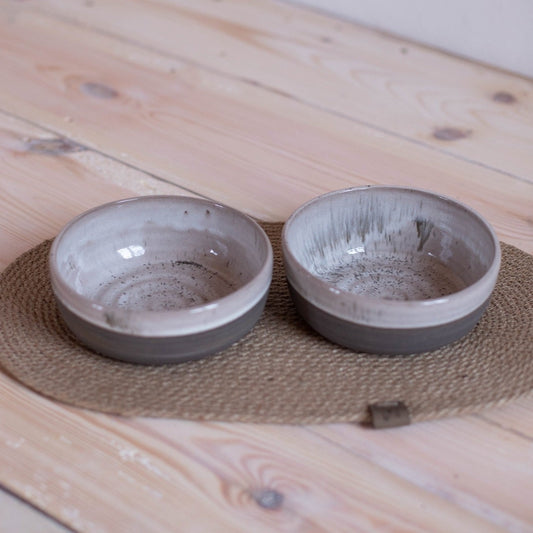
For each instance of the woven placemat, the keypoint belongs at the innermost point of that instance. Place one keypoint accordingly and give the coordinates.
(281, 372)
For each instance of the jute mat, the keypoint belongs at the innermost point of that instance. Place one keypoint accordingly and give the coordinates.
(281, 372)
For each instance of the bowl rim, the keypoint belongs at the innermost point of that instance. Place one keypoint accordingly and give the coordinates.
(484, 284)
(173, 323)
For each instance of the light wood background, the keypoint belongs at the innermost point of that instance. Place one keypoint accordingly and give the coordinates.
(261, 105)
(495, 32)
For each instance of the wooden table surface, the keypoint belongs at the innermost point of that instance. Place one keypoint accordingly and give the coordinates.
(260, 105)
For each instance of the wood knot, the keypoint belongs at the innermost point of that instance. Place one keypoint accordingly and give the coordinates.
(57, 146)
(268, 499)
(450, 134)
(98, 90)
(503, 97)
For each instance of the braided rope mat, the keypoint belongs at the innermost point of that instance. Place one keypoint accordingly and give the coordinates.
(281, 372)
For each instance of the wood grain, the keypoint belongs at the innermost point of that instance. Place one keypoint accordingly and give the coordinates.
(434, 453)
(414, 93)
(46, 180)
(72, 463)
(222, 138)
(243, 478)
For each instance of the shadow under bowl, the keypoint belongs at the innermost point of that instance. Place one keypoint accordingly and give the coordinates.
(160, 279)
(390, 270)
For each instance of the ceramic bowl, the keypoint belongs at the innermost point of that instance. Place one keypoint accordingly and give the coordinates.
(160, 279)
(389, 269)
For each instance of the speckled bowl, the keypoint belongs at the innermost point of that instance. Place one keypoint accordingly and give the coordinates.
(390, 270)
(160, 279)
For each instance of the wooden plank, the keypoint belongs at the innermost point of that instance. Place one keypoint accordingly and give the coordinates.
(166, 475)
(498, 37)
(515, 418)
(238, 143)
(415, 93)
(40, 171)
(63, 464)
(460, 469)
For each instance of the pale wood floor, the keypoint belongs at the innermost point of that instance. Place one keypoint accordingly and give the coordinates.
(260, 105)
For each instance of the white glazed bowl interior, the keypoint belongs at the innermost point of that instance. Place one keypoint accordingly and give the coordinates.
(161, 266)
(391, 257)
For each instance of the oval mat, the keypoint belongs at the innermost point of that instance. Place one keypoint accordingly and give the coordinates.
(281, 372)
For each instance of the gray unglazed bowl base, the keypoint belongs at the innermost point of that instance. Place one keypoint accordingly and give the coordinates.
(161, 350)
(363, 338)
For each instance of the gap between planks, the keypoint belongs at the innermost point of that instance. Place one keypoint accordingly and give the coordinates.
(127, 164)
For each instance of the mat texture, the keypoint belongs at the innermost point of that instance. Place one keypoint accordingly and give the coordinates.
(281, 372)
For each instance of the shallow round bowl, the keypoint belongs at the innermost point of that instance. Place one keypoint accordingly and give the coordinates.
(390, 270)
(160, 279)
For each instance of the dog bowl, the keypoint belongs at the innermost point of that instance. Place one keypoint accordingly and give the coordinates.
(160, 279)
(390, 270)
